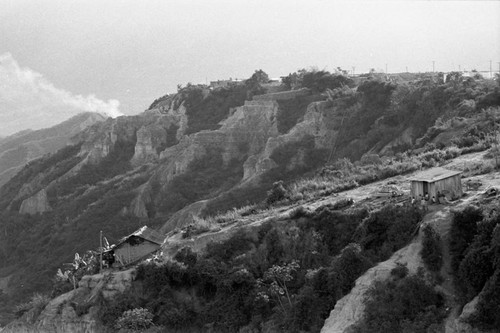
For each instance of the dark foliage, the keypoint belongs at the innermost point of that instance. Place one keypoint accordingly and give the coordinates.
(311, 159)
(387, 230)
(292, 110)
(432, 252)
(463, 229)
(408, 304)
(476, 240)
(317, 81)
(488, 306)
(206, 111)
(276, 194)
(228, 287)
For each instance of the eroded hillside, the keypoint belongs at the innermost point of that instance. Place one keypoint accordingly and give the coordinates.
(200, 151)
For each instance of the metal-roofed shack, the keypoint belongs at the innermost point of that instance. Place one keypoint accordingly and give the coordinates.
(137, 246)
(436, 180)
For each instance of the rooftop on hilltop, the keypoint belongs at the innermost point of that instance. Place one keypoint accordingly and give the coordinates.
(434, 174)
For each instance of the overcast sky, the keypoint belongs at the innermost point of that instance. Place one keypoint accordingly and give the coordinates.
(118, 56)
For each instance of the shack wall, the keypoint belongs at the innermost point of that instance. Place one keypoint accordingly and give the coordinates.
(416, 189)
(451, 187)
(126, 254)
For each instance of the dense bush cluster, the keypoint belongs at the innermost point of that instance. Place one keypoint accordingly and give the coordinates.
(403, 304)
(205, 109)
(432, 252)
(316, 80)
(475, 259)
(283, 276)
(292, 110)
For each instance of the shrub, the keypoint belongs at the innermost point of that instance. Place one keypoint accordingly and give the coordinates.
(388, 230)
(186, 256)
(299, 212)
(475, 270)
(400, 271)
(136, 319)
(276, 194)
(405, 305)
(488, 306)
(463, 229)
(431, 253)
(342, 203)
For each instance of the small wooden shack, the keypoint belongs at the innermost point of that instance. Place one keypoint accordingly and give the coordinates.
(137, 246)
(432, 181)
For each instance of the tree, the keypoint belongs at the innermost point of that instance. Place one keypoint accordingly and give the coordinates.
(277, 277)
(260, 77)
(136, 320)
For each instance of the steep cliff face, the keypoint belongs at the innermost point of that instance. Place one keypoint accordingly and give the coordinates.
(35, 204)
(249, 134)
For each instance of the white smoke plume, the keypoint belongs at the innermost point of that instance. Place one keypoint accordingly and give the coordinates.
(28, 100)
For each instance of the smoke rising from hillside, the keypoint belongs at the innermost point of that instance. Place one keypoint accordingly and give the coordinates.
(28, 100)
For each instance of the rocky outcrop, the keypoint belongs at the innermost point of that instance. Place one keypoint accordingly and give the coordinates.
(250, 131)
(245, 132)
(316, 123)
(149, 139)
(35, 204)
(60, 314)
(4, 283)
(138, 207)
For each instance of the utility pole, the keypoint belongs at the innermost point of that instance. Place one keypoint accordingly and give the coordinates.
(100, 250)
(496, 140)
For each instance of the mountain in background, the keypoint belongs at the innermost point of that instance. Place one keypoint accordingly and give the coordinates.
(18, 149)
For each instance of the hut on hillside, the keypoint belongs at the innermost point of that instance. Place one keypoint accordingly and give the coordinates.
(437, 181)
(137, 246)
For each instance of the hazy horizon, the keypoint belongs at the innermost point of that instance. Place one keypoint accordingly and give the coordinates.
(58, 58)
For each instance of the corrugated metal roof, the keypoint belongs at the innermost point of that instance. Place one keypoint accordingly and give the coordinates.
(434, 174)
(145, 233)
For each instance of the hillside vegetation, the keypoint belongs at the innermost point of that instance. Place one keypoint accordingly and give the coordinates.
(124, 173)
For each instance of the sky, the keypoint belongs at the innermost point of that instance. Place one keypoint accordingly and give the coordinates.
(61, 57)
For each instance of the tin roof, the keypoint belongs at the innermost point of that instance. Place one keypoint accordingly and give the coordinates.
(434, 174)
(145, 233)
